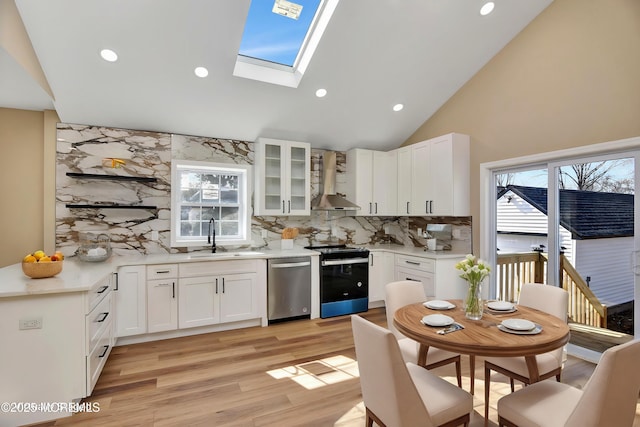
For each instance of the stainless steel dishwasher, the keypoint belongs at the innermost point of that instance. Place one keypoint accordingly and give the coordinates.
(289, 288)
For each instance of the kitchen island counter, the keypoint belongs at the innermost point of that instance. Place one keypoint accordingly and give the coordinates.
(81, 276)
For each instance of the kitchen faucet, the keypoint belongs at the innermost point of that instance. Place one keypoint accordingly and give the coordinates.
(212, 232)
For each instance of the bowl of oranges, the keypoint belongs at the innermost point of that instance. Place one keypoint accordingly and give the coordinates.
(39, 265)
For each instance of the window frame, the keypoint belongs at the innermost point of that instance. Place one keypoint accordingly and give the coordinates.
(244, 201)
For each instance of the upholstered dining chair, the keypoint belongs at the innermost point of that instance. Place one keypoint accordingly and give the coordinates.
(609, 398)
(405, 292)
(402, 394)
(552, 300)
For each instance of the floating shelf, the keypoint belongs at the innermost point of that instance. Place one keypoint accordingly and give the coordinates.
(111, 177)
(98, 206)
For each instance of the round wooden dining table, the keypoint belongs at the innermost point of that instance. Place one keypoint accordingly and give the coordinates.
(483, 337)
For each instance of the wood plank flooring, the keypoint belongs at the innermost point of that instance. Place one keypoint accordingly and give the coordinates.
(300, 373)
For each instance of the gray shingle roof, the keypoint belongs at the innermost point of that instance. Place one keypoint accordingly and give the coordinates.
(586, 214)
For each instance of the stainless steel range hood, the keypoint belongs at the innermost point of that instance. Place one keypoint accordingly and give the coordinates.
(328, 200)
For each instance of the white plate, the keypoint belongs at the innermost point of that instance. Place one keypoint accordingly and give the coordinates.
(437, 304)
(437, 320)
(518, 324)
(533, 331)
(500, 305)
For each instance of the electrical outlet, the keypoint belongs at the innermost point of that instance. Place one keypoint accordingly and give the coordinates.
(34, 323)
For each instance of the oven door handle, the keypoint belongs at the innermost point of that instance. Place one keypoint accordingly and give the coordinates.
(346, 261)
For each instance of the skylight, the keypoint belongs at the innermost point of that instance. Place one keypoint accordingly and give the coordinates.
(274, 32)
(280, 36)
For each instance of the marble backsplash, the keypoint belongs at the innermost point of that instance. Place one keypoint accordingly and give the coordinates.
(88, 149)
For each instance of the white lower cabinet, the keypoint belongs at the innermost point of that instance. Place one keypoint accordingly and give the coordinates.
(217, 299)
(381, 272)
(162, 305)
(438, 276)
(131, 301)
(218, 292)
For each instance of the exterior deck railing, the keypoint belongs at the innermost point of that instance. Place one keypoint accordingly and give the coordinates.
(526, 267)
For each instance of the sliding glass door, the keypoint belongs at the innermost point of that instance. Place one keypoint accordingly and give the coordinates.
(570, 223)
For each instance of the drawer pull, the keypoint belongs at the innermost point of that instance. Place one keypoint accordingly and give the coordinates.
(105, 315)
(106, 348)
(102, 289)
(116, 274)
(412, 262)
(163, 271)
(413, 280)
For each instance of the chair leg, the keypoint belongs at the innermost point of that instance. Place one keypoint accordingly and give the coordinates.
(487, 384)
(459, 373)
(472, 372)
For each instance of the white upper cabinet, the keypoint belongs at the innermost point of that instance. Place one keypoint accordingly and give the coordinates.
(283, 171)
(439, 177)
(404, 180)
(372, 181)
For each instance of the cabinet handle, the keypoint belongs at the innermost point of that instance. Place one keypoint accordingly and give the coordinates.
(216, 286)
(376, 203)
(370, 208)
(223, 285)
(413, 280)
(106, 348)
(407, 208)
(173, 290)
(283, 206)
(163, 271)
(116, 288)
(289, 202)
(102, 289)
(430, 206)
(426, 206)
(104, 317)
(412, 262)
(371, 257)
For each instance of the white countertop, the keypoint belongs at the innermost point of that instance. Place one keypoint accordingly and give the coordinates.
(79, 276)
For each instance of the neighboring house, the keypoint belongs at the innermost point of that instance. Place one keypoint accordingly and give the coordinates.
(596, 234)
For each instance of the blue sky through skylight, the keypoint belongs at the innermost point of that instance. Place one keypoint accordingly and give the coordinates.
(276, 38)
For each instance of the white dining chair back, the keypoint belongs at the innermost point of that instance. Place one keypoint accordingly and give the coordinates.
(399, 394)
(550, 299)
(610, 396)
(387, 388)
(399, 294)
(608, 399)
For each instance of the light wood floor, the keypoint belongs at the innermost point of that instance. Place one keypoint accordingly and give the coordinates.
(299, 373)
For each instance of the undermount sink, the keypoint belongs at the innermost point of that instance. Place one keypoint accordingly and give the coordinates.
(226, 254)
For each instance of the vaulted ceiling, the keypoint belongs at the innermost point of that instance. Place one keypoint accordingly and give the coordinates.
(373, 55)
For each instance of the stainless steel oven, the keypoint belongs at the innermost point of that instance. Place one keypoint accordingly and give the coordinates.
(344, 280)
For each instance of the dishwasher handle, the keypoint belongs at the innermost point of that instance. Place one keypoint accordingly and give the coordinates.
(291, 264)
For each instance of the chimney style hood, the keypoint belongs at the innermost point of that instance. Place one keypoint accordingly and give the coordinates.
(328, 200)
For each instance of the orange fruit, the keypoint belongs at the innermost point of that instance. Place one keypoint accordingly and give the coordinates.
(60, 255)
(44, 259)
(29, 258)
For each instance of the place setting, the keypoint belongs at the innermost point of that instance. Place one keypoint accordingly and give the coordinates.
(501, 307)
(520, 327)
(440, 320)
(437, 304)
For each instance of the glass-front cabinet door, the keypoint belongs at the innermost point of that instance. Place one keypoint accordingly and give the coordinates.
(282, 177)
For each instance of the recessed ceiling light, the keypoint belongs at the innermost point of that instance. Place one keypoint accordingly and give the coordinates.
(109, 55)
(201, 72)
(398, 107)
(487, 8)
(321, 92)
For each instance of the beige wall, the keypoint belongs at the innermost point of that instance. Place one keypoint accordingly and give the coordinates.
(22, 175)
(571, 78)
